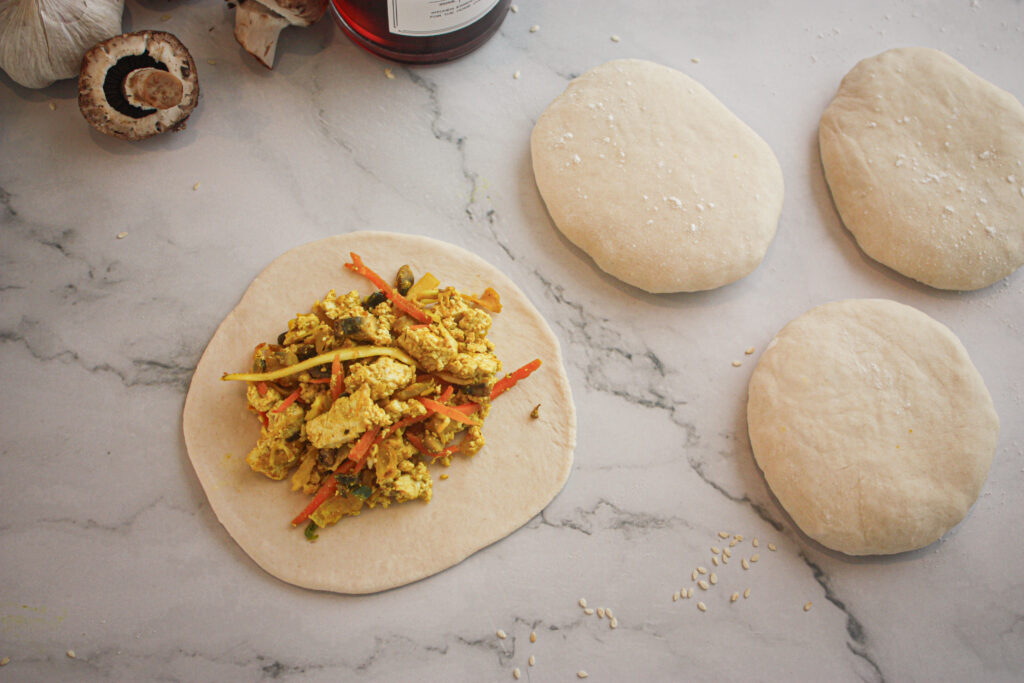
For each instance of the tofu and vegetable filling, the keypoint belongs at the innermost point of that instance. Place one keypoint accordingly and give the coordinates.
(375, 380)
(361, 394)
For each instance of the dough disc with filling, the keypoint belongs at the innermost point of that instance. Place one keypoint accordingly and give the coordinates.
(664, 187)
(872, 426)
(523, 465)
(925, 161)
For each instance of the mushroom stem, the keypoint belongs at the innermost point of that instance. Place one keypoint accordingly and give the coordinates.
(153, 88)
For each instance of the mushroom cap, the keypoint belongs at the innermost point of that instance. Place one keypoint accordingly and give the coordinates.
(104, 68)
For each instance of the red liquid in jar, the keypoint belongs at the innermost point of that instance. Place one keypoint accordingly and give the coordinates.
(368, 24)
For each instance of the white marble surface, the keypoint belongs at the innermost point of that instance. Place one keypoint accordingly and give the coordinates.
(108, 546)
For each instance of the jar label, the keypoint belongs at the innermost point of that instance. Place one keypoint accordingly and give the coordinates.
(434, 17)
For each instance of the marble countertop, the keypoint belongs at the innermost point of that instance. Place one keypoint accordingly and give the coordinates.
(108, 547)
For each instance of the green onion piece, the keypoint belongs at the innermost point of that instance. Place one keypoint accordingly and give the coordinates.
(311, 534)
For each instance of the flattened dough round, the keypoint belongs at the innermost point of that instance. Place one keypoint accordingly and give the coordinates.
(523, 465)
(664, 187)
(925, 161)
(872, 426)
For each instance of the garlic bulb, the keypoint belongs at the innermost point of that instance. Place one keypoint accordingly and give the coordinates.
(42, 41)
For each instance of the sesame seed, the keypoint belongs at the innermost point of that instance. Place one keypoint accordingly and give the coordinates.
(723, 534)
(581, 674)
(702, 570)
(714, 560)
(121, 235)
(71, 654)
(732, 543)
(615, 38)
(195, 187)
(534, 28)
(444, 475)
(807, 607)
(211, 62)
(583, 602)
(715, 550)
(738, 537)
(749, 350)
(515, 673)
(703, 584)
(746, 594)
(755, 542)
(588, 611)
(746, 565)
(675, 596)
(689, 592)
(53, 106)
(734, 597)
(532, 660)
(5, 661)
(600, 612)
(737, 363)
(501, 634)
(533, 637)
(695, 60)
(516, 75)
(165, 17)
(693, 576)
(702, 607)
(713, 578)
(614, 623)
(513, 8)
(725, 559)
(388, 73)
(726, 553)
(755, 557)
(771, 546)
(608, 613)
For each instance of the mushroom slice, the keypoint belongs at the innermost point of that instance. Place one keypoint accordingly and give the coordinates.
(139, 84)
(258, 23)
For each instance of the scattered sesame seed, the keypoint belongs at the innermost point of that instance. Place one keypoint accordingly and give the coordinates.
(5, 661)
(581, 674)
(534, 28)
(388, 73)
(211, 62)
(166, 17)
(195, 187)
(71, 654)
(754, 542)
(715, 550)
(702, 607)
(713, 578)
(600, 612)
(732, 543)
(444, 475)
(614, 623)
(675, 596)
(746, 565)
(515, 673)
(689, 592)
(746, 594)
(121, 235)
(771, 546)
(738, 537)
(513, 8)
(723, 534)
(737, 363)
(702, 570)
(583, 602)
(588, 611)
(749, 351)
(734, 597)
(516, 75)
(703, 584)
(755, 557)
(532, 660)
(725, 559)
(695, 60)
(726, 553)
(608, 613)
(53, 106)
(693, 576)
(714, 560)
(807, 607)
(533, 638)
(615, 38)
(501, 634)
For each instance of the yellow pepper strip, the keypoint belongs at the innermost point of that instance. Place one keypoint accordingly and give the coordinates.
(353, 353)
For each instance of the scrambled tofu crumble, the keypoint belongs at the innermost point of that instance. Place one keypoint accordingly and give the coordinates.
(359, 395)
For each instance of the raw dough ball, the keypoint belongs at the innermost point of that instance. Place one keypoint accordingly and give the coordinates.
(872, 427)
(926, 165)
(646, 171)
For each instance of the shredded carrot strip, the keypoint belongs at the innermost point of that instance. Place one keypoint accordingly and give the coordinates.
(336, 377)
(509, 381)
(362, 447)
(446, 394)
(325, 492)
(467, 408)
(448, 411)
(264, 419)
(400, 301)
(320, 380)
(261, 388)
(283, 406)
(418, 444)
(398, 425)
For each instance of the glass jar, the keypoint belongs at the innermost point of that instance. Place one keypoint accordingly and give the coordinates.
(419, 31)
